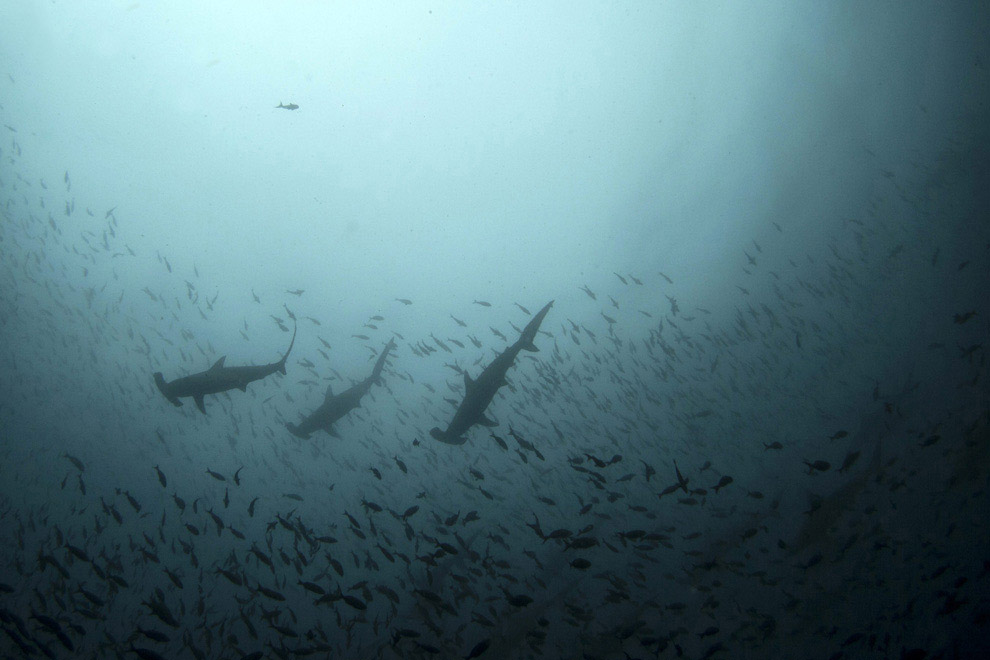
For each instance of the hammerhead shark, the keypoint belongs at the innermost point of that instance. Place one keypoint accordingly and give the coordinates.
(218, 378)
(335, 407)
(479, 393)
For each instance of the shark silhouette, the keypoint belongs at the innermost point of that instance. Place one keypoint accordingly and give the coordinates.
(218, 378)
(479, 393)
(335, 407)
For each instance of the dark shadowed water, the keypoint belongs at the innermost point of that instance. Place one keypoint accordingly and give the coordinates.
(756, 421)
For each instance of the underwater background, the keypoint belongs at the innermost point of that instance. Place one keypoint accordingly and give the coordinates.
(757, 421)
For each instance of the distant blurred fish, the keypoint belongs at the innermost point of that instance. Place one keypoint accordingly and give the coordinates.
(291, 106)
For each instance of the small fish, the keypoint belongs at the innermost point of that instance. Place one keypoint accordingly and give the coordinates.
(312, 588)
(518, 600)
(591, 294)
(154, 635)
(722, 483)
(483, 303)
(838, 435)
(133, 502)
(216, 520)
(849, 460)
(270, 593)
(161, 477)
(501, 442)
(297, 292)
(291, 106)
(231, 576)
(404, 301)
(75, 461)
(478, 649)
(355, 602)
(681, 481)
(216, 475)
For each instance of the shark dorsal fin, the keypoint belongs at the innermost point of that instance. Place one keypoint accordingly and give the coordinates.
(467, 381)
(218, 364)
(329, 390)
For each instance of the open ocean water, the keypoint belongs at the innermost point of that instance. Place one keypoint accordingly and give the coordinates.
(494, 330)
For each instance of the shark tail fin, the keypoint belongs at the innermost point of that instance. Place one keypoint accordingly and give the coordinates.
(281, 363)
(380, 364)
(163, 388)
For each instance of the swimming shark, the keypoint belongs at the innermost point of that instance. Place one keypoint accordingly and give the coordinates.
(218, 378)
(479, 393)
(335, 407)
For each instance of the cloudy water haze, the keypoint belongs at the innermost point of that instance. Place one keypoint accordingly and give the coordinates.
(494, 330)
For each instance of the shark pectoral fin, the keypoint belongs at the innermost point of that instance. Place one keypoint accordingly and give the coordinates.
(331, 431)
(485, 421)
(218, 364)
(199, 402)
(531, 347)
